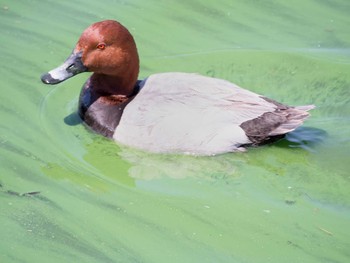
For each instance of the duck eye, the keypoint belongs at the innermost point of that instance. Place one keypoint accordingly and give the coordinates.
(101, 46)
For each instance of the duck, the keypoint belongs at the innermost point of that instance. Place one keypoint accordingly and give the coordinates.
(168, 112)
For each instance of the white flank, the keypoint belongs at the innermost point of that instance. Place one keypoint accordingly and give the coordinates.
(182, 112)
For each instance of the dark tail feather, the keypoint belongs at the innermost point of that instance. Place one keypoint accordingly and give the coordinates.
(295, 117)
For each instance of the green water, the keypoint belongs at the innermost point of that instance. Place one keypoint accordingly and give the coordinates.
(99, 202)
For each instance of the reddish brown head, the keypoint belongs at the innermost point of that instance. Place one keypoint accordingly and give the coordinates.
(108, 49)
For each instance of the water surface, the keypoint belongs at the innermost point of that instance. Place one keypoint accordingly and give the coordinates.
(68, 195)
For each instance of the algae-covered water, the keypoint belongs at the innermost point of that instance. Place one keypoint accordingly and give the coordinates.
(68, 195)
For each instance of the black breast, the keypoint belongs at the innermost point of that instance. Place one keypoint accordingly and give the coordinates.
(101, 117)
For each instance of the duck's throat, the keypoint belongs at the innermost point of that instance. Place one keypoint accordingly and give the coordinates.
(107, 85)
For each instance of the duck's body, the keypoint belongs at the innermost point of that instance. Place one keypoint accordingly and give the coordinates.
(167, 112)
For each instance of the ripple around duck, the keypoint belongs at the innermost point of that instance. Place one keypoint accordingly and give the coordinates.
(78, 168)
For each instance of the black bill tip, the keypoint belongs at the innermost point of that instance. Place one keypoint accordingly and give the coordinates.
(48, 79)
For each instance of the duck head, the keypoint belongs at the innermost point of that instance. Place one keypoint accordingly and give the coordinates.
(108, 49)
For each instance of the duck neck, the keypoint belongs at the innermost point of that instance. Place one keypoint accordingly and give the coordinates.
(108, 85)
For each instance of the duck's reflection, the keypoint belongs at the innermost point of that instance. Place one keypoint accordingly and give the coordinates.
(304, 137)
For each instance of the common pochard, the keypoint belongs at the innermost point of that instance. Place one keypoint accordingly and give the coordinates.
(167, 112)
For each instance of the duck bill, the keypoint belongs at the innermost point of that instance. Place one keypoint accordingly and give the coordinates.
(71, 67)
